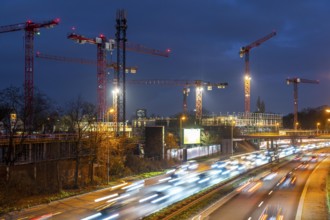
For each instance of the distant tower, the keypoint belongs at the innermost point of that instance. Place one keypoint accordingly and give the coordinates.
(120, 79)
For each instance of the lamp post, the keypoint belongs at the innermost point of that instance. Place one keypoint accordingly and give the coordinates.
(297, 124)
(116, 113)
(182, 118)
(277, 127)
(317, 128)
(232, 136)
(108, 164)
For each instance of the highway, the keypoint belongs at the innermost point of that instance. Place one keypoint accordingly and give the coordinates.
(138, 199)
(283, 198)
(80, 207)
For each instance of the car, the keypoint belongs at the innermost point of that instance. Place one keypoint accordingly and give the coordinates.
(219, 164)
(111, 211)
(287, 181)
(250, 187)
(314, 159)
(190, 165)
(160, 197)
(203, 179)
(304, 165)
(271, 212)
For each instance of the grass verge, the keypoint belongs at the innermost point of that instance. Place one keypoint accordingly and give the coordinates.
(328, 192)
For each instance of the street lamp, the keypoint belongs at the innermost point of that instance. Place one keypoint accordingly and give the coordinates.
(182, 118)
(232, 135)
(108, 164)
(296, 125)
(317, 128)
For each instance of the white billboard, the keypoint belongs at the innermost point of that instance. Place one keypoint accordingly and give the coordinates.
(191, 136)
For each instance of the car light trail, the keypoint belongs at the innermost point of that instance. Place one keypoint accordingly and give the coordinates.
(165, 179)
(105, 197)
(118, 186)
(120, 197)
(92, 216)
(111, 216)
(160, 199)
(148, 198)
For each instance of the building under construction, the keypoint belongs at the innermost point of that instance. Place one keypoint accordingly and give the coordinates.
(247, 123)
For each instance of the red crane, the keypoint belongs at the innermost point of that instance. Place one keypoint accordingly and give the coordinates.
(198, 84)
(295, 81)
(30, 28)
(103, 45)
(245, 51)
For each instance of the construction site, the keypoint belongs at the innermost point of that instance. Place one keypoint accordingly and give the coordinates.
(110, 116)
(162, 109)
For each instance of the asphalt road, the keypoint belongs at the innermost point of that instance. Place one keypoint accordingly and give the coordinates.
(79, 207)
(242, 206)
(250, 206)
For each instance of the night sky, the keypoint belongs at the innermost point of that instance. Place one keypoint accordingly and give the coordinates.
(204, 37)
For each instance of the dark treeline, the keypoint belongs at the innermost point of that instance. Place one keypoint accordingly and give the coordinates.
(98, 155)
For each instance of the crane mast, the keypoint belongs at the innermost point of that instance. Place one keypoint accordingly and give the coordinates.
(295, 82)
(245, 51)
(30, 28)
(121, 44)
(103, 44)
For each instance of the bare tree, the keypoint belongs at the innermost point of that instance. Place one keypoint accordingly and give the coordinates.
(81, 116)
(98, 138)
(11, 111)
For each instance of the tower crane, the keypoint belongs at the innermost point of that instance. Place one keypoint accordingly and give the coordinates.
(31, 28)
(104, 44)
(245, 51)
(111, 65)
(198, 84)
(295, 81)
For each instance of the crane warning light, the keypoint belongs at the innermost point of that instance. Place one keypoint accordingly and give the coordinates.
(101, 35)
(168, 50)
(57, 20)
